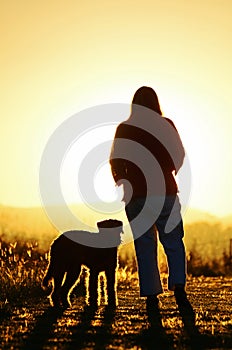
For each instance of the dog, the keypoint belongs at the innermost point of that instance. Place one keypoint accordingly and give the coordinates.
(67, 256)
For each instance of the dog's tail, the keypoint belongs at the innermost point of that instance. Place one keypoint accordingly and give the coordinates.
(50, 269)
(49, 274)
(47, 277)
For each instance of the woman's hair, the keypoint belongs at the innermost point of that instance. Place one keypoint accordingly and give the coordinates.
(146, 97)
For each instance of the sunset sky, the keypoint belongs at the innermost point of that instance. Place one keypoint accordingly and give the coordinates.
(59, 57)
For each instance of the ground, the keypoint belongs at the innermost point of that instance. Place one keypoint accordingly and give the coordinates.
(33, 324)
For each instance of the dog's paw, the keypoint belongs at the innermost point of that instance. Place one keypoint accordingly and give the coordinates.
(65, 304)
(46, 283)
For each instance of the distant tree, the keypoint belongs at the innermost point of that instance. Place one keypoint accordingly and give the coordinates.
(227, 263)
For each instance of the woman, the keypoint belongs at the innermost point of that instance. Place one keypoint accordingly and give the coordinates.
(146, 153)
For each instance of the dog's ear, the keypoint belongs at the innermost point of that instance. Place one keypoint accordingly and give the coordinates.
(111, 223)
(110, 231)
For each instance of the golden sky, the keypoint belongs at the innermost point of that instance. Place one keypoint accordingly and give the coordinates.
(61, 56)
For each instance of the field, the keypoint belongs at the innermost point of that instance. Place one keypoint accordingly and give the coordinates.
(28, 322)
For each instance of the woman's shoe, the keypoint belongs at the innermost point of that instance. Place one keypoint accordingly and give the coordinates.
(153, 312)
(184, 306)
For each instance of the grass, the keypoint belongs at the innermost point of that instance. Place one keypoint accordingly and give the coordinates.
(27, 321)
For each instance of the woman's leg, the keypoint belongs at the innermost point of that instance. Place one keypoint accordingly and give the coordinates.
(171, 232)
(146, 252)
(170, 227)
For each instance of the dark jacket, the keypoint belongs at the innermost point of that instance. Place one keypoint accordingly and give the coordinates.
(144, 174)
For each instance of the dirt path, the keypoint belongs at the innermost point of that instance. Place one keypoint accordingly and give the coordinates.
(35, 325)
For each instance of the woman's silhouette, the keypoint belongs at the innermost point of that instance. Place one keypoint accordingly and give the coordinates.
(146, 153)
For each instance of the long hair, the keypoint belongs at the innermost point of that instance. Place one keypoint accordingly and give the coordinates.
(146, 97)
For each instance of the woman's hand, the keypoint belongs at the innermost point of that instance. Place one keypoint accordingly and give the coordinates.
(127, 190)
(120, 182)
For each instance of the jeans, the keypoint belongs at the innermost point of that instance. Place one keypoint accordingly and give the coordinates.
(163, 214)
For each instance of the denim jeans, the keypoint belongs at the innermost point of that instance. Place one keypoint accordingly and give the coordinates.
(163, 214)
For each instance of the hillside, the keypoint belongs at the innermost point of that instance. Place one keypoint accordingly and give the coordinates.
(192, 215)
(208, 234)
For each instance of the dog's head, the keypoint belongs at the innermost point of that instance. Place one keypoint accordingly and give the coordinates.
(112, 230)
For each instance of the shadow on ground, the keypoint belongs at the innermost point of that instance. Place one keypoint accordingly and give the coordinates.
(106, 329)
(35, 325)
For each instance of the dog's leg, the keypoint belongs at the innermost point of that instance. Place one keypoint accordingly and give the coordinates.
(111, 286)
(58, 279)
(93, 287)
(70, 281)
